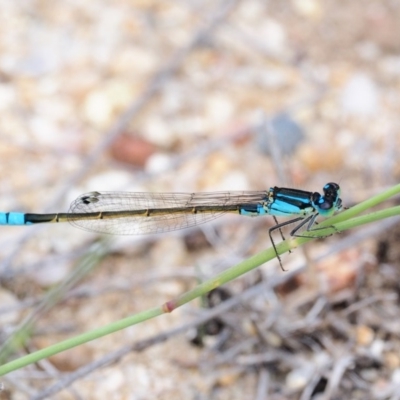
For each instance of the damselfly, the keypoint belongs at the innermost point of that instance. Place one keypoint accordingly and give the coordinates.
(124, 213)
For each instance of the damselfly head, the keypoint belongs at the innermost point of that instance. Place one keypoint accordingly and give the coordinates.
(330, 201)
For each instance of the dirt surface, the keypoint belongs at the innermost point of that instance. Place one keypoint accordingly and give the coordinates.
(189, 96)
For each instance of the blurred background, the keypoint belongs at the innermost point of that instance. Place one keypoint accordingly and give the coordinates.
(184, 96)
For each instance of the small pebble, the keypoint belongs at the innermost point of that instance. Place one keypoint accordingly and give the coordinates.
(364, 335)
(131, 149)
(298, 378)
(360, 96)
(98, 108)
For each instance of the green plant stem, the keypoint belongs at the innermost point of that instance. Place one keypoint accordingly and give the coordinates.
(78, 340)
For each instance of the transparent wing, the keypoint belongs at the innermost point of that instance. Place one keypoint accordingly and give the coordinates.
(145, 223)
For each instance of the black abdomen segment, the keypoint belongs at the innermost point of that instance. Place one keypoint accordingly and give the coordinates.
(26, 219)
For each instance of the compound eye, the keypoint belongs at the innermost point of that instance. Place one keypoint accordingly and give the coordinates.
(331, 189)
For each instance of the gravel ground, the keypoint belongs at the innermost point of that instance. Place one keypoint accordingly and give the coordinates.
(186, 96)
